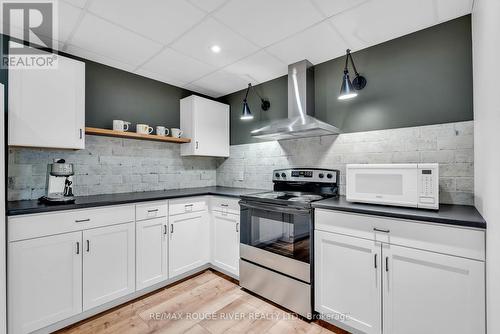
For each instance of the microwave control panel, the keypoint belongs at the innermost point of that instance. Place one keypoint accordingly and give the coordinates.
(428, 176)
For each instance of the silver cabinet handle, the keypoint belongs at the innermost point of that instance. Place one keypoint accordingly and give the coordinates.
(376, 260)
(78, 247)
(197, 145)
(165, 229)
(237, 227)
(153, 210)
(188, 205)
(224, 205)
(88, 246)
(81, 133)
(382, 231)
(171, 228)
(386, 263)
(82, 220)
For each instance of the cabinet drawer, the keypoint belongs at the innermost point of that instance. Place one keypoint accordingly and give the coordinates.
(225, 205)
(458, 241)
(151, 210)
(43, 224)
(185, 205)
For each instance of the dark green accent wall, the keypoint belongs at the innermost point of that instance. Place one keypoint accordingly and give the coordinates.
(419, 79)
(114, 94)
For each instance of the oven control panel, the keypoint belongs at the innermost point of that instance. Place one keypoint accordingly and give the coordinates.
(306, 175)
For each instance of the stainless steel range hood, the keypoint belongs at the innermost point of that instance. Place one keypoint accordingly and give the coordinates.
(301, 121)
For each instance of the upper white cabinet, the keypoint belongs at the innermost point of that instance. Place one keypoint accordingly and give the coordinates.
(206, 122)
(47, 106)
(45, 281)
(108, 264)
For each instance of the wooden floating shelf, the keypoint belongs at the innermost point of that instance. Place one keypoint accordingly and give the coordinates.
(133, 135)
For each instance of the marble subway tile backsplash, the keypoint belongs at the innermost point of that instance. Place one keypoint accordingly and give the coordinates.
(110, 165)
(451, 145)
(113, 165)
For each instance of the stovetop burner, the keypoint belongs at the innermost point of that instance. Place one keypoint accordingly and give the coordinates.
(293, 196)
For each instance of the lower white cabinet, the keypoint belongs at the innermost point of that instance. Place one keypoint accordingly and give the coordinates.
(45, 281)
(108, 264)
(151, 252)
(226, 241)
(382, 287)
(348, 280)
(188, 246)
(426, 292)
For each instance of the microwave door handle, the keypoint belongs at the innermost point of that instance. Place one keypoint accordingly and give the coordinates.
(281, 209)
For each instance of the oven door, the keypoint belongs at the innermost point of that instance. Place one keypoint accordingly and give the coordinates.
(276, 237)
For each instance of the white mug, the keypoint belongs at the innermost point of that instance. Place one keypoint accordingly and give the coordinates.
(119, 125)
(143, 129)
(162, 131)
(177, 133)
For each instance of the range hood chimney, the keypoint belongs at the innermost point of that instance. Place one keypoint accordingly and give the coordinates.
(301, 121)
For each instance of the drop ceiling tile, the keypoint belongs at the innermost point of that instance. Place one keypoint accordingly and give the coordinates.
(201, 90)
(316, 44)
(98, 58)
(162, 21)
(450, 9)
(78, 3)
(259, 67)
(101, 37)
(171, 64)
(159, 77)
(197, 42)
(265, 22)
(208, 5)
(379, 21)
(221, 82)
(333, 7)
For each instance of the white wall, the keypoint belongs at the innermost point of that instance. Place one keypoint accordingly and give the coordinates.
(486, 58)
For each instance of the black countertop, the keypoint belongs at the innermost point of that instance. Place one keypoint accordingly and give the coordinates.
(460, 215)
(15, 208)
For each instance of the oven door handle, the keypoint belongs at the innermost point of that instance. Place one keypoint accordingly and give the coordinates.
(277, 208)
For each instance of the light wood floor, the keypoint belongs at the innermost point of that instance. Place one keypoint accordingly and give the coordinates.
(208, 294)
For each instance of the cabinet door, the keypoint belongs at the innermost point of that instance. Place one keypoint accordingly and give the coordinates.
(210, 128)
(226, 241)
(108, 264)
(188, 247)
(47, 106)
(427, 292)
(151, 256)
(348, 286)
(45, 281)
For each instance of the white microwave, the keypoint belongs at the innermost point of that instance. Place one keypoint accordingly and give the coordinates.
(411, 185)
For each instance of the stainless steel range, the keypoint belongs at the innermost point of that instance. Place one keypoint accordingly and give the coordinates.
(276, 236)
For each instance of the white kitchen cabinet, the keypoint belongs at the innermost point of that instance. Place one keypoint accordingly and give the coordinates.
(47, 106)
(151, 252)
(432, 276)
(206, 122)
(226, 241)
(188, 246)
(108, 264)
(426, 292)
(45, 281)
(348, 284)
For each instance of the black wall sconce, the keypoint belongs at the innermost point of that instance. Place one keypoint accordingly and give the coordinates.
(246, 114)
(348, 89)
